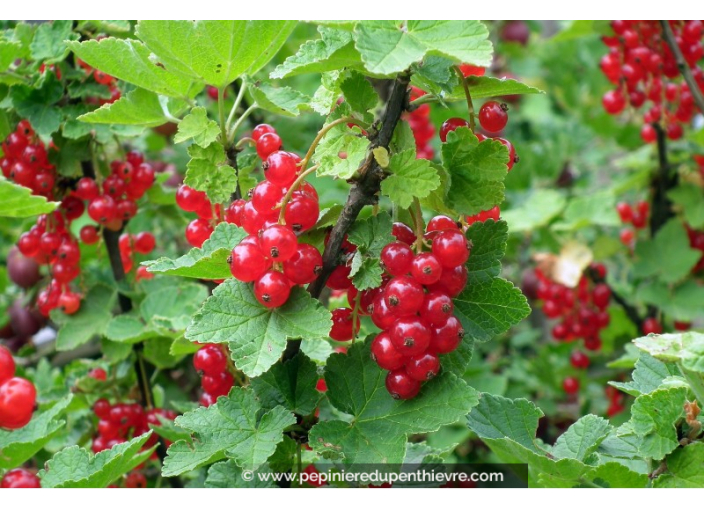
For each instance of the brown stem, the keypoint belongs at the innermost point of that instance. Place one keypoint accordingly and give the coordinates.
(663, 182)
(231, 153)
(363, 192)
(682, 65)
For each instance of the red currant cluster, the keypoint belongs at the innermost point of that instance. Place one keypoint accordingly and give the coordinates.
(142, 243)
(643, 67)
(101, 79)
(422, 126)
(26, 162)
(582, 310)
(216, 380)
(199, 230)
(414, 307)
(18, 397)
(280, 207)
(20, 478)
(635, 215)
(120, 422)
(696, 241)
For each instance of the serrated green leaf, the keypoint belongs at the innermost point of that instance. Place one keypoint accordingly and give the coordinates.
(208, 262)
(648, 375)
(49, 43)
(582, 438)
(653, 417)
(228, 475)
(615, 475)
(216, 52)
(476, 171)
(682, 302)
(410, 178)
(541, 207)
(685, 468)
(596, 209)
(279, 100)
(685, 348)
(342, 149)
(333, 51)
(257, 335)
(39, 105)
(389, 47)
(290, 384)
(489, 86)
(359, 93)
(366, 273)
(18, 446)
(208, 171)
(327, 94)
(690, 200)
(90, 320)
(370, 236)
(489, 240)
(138, 107)
(9, 52)
(232, 428)
(74, 467)
(667, 256)
(198, 127)
(490, 308)
(18, 202)
(129, 60)
(356, 387)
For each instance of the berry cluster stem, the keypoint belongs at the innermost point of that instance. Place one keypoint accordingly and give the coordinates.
(296, 184)
(468, 95)
(682, 65)
(418, 226)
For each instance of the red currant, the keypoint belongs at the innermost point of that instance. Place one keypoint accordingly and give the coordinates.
(493, 116)
(401, 386)
(410, 335)
(423, 367)
(272, 289)
(396, 258)
(385, 354)
(210, 360)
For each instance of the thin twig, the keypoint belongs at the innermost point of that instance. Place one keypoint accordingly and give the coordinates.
(468, 96)
(682, 65)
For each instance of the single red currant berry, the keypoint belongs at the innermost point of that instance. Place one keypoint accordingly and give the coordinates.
(648, 133)
(451, 281)
(65, 273)
(426, 268)
(579, 360)
(20, 478)
(260, 130)
(49, 243)
(17, 400)
(135, 480)
(210, 360)
(73, 207)
(340, 278)
(493, 116)
(198, 231)
(144, 243)
(451, 248)
(451, 125)
(280, 168)
(679, 326)
(423, 367)
(248, 262)
(189, 199)
(446, 337)
(403, 233)
(89, 234)
(305, 265)
(625, 212)
(601, 295)
(440, 223)
(302, 212)
(410, 335)
(279, 242)
(102, 209)
(268, 143)
(512, 157)
(404, 295)
(570, 385)
(627, 236)
(396, 258)
(401, 386)
(382, 316)
(252, 220)
(69, 302)
(613, 102)
(651, 325)
(437, 308)
(385, 354)
(102, 408)
(7, 364)
(272, 289)
(266, 196)
(218, 384)
(342, 328)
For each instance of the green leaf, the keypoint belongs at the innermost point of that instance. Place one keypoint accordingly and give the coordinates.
(410, 178)
(49, 43)
(333, 51)
(667, 256)
(489, 86)
(18, 202)
(359, 93)
(596, 209)
(197, 126)
(138, 107)
(279, 100)
(682, 302)
(389, 47)
(9, 52)
(39, 105)
(232, 428)
(536, 212)
(684, 468)
(685, 348)
(208, 262)
(648, 375)
(690, 200)
(18, 446)
(341, 150)
(257, 335)
(582, 438)
(208, 171)
(75, 468)
(477, 171)
(615, 475)
(370, 236)
(90, 320)
(356, 387)
(290, 384)
(654, 416)
(228, 475)
(129, 60)
(327, 94)
(487, 309)
(226, 49)
(488, 240)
